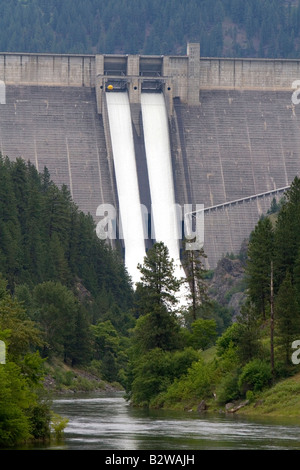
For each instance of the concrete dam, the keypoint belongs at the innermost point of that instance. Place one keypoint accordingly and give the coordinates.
(134, 132)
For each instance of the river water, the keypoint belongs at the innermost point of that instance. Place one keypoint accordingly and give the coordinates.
(110, 423)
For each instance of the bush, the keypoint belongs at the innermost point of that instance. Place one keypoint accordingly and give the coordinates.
(181, 361)
(255, 376)
(228, 388)
(58, 425)
(39, 416)
(197, 384)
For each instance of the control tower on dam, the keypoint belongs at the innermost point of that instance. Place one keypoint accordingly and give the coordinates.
(233, 132)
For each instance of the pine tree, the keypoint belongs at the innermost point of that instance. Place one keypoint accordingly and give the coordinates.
(258, 269)
(158, 327)
(287, 234)
(195, 278)
(158, 278)
(287, 316)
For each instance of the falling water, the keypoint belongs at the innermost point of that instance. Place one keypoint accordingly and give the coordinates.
(158, 153)
(127, 181)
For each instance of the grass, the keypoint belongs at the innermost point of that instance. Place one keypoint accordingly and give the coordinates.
(282, 400)
(209, 354)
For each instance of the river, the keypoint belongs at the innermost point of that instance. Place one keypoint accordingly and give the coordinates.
(109, 423)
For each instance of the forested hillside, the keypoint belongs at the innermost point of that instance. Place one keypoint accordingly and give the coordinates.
(180, 370)
(249, 28)
(64, 296)
(44, 236)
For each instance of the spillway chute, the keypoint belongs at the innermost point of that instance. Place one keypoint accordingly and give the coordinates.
(131, 216)
(160, 172)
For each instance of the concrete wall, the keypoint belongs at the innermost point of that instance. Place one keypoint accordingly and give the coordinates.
(235, 144)
(185, 75)
(272, 74)
(47, 69)
(59, 127)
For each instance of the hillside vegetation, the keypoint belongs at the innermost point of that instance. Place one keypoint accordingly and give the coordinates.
(69, 314)
(234, 28)
(65, 298)
(254, 353)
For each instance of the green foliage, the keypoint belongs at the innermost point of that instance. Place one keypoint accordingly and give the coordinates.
(287, 316)
(203, 333)
(229, 338)
(249, 335)
(157, 329)
(55, 306)
(157, 278)
(58, 425)
(156, 371)
(197, 384)
(57, 281)
(192, 261)
(228, 388)
(258, 271)
(108, 349)
(241, 366)
(255, 376)
(23, 412)
(15, 399)
(40, 420)
(151, 376)
(44, 237)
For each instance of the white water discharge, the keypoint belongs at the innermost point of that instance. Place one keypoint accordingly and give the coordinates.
(127, 182)
(158, 154)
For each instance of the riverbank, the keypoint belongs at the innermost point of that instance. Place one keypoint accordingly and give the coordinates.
(63, 379)
(280, 401)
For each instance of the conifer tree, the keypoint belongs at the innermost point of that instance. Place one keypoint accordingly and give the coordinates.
(157, 290)
(158, 277)
(195, 278)
(287, 234)
(258, 269)
(287, 319)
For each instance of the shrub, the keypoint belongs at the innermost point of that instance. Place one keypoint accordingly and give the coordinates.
(255, 376)
(228, 388)
(58, 425)
(197, 384)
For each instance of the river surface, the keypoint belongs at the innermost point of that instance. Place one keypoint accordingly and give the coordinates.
(110, 423)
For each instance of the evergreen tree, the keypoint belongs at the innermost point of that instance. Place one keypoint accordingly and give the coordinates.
(287, 234)
(258, 269)
(195, 278)
(249, 333)
(56, 307)
(287, 316)
(158, 327)
(158, 280)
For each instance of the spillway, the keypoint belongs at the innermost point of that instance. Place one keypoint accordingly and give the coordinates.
(160, 173)
(127, 182)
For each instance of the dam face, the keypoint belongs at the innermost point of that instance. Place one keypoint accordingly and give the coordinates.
(233, 133)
